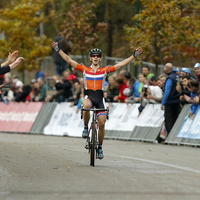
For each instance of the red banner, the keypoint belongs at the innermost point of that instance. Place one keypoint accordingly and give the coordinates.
(18, 117)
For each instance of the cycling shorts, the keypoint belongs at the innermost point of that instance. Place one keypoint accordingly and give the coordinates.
(97, 100)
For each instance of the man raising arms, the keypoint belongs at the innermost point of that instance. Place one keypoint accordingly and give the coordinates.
(94, 77)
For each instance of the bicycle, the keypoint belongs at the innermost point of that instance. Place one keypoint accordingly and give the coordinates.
(92, 142)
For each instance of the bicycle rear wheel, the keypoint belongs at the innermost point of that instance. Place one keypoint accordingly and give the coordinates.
(93, 143)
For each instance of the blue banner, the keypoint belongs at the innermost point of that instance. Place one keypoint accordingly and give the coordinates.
(191, 128)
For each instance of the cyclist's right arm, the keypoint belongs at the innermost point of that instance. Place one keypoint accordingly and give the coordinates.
(68, 59)
(65, 56)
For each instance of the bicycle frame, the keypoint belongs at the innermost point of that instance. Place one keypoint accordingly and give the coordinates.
(92, 141)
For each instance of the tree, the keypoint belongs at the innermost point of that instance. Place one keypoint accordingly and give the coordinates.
(116, 14)
(20, 23)
(80, 26)
(164, 27)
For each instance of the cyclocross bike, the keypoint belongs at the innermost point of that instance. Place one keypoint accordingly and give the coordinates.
(92, 140)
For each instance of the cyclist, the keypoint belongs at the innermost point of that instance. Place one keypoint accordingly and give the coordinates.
(94, 77)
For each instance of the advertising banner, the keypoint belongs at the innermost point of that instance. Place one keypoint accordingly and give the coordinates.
(122, 117)
(65, 121)
(191, 128)
(18, 117)
(151, 116)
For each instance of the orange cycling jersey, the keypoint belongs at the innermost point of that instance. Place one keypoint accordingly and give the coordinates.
(94, 80)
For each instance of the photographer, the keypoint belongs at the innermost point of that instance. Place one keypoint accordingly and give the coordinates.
(63, 87)
(150, 94)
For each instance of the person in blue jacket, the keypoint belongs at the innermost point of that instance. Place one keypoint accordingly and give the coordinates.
(193, 88)
(170, 103)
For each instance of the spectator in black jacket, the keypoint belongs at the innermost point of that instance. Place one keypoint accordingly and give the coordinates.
(183, 90)
(22, 93)
(63, 87)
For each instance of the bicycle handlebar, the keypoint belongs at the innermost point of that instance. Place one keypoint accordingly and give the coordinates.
(94, 109)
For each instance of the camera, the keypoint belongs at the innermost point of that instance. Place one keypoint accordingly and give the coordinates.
(145, 90)
(6, 88)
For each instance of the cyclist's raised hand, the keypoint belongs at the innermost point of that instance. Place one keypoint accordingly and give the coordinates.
(55, 46)
(137, 52)
(16, 63)
(12, 57)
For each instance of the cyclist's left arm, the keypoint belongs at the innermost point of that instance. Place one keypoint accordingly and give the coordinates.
(125, 62)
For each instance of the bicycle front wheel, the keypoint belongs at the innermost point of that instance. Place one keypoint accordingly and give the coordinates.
(93, 143)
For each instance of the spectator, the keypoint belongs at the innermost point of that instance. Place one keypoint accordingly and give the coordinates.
(76, 94)
(152, 80)
(39, 74)
(80, 102)
(183, 90)
(74, 71)
(81, 81)
(197, 70)
(17, 83)
(127, 76)
(155, 94)
(163, 78)
(121, 75)
(143, 81)
(22, 93)
(193, 87)
(170, 103)
(63, 87)
(8, 95)
(61, 64)
(148, 95)
(43, 90)
(35, 90)
(121, 86)
(134, 86)
(72, 78)
(146, 72)
(115, 75)
(112, 90)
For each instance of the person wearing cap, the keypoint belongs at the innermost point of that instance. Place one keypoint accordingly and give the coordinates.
(94, 77)
(197, 70)
(196, 99)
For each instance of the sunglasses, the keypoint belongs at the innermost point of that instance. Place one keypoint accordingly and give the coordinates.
(96, 55)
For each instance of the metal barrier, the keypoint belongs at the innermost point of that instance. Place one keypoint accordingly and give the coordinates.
(43, 118)
(173, 139)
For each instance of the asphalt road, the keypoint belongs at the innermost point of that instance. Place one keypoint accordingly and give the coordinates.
(44, 167)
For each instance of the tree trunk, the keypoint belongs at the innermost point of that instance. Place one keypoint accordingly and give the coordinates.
(110, 38)
(110, 29)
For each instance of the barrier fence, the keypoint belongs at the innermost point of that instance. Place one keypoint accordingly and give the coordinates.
(123, 124)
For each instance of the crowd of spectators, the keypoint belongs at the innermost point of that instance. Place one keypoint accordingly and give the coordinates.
(172, 89)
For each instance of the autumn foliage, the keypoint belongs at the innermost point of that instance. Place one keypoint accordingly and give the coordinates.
(20, 23)
(81, 27)
(166, 30)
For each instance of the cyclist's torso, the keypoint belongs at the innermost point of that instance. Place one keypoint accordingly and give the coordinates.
(94, 82)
